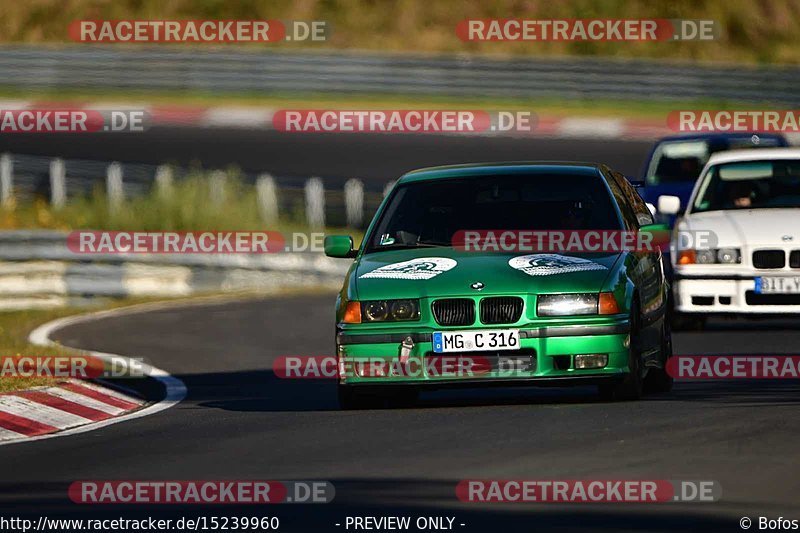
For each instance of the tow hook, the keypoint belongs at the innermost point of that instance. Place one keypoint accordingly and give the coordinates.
(405, 349)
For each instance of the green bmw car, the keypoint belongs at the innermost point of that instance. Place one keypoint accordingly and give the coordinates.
(420, 310)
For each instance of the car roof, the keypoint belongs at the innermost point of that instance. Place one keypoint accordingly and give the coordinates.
(753, 155)
(503, 168)
(718, 136)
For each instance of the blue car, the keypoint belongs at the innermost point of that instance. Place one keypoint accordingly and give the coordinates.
(675, 162)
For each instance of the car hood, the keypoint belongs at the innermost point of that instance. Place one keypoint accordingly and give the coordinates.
(753, 227)
(436, 272)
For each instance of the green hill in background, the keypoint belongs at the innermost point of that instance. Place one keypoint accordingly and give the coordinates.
(751, 31)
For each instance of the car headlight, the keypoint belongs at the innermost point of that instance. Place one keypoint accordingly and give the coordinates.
(705, 257)
(729, 255)
(603, 303)
(711, 256)
(389, 310)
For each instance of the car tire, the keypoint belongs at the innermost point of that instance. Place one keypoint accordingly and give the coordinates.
(658, 380)
(632, 385)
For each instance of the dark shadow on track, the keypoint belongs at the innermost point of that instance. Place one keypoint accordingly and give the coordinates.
(263, 391)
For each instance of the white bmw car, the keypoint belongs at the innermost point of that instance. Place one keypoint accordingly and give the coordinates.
(736, 247)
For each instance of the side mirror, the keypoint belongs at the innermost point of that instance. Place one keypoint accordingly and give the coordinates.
(669, 205)
(659, 236)
(339, 246)
(653, 228)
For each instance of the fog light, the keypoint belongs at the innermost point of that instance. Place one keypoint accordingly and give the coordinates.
(594, 360)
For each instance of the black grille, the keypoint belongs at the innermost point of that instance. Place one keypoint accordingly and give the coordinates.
(769, 259)
(454, 312)
(794, 259)
(501, 310)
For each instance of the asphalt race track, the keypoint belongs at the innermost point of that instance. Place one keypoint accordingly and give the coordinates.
(239, 421)
(370, 157)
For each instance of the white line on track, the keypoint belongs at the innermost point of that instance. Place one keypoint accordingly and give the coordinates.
(174, 387)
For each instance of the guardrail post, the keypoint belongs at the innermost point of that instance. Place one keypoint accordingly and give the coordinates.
(164, 181)
(6, 179)
(217, 187)
(267, 198)
(354, 202)
(387, 188)
(114, 191)
(315, 203)
(58, 185)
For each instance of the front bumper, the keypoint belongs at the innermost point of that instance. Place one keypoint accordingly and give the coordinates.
(549, 349)
(728, 295)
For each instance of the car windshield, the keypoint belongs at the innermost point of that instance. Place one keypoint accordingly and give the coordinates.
(677, 161)
(682, 161)
(750, 185)
(429, 213)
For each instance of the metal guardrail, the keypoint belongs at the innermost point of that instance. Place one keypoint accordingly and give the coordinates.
(257, 71)
(332, 200)
(38, 270)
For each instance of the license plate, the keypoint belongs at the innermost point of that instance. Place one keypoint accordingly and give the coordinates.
(778, 285)
(475, 341)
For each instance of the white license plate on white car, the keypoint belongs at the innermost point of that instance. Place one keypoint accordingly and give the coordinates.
(475, 341)
(778, 285)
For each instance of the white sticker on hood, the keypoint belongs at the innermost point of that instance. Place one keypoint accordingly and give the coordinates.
(423, 268)
(549, 264)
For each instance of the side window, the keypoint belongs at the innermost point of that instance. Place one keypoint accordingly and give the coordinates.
(624, 206)
(642, 213)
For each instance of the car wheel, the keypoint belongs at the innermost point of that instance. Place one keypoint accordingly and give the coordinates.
(631, 386)
(658, 379)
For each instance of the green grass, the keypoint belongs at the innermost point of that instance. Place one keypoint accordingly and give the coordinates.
(189, 207)
(14, 329)
(545, 106)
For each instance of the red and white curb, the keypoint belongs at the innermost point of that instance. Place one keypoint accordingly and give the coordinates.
(43, 410)
(261, 118)
(78, 406)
